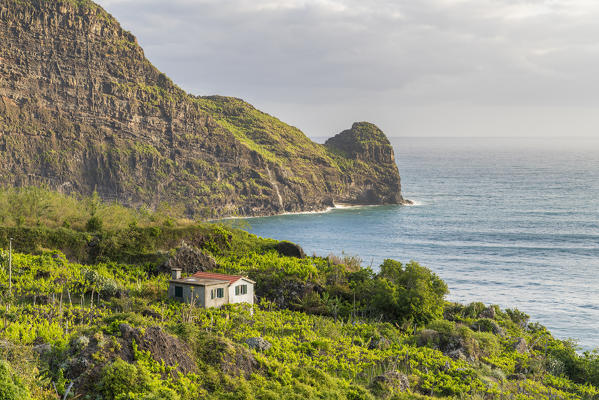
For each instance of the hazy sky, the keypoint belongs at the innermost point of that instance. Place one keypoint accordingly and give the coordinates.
(413, 67)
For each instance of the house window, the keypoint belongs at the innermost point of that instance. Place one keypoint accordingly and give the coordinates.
(220, 293)
(178, 291)
(241, 289)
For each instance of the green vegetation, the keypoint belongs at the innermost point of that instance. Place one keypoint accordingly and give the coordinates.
(67, 315)
(86, 316)
(103, 328)
(11, 388)
(40, 207)
(276, 141)
(88, 230)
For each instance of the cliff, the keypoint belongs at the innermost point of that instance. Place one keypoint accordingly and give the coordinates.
(82, 109)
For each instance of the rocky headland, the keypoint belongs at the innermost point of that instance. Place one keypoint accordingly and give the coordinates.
(83, 110)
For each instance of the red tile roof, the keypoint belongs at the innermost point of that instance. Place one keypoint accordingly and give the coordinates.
(221, 277)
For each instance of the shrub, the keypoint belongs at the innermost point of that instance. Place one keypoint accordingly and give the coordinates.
(473, 310)
(107, 287)
(442, 326)
(11, 388)
(517, 316)
(486, 325)
(94, 224)
(487, 343)
(120, 378)
(418, 294)
(124, 381)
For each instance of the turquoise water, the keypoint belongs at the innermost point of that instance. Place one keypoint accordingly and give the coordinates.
(509, 222)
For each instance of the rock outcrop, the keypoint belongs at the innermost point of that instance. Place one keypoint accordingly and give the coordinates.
(521, 346)
(373, 178)
(190, 260)
(82, 109)
(161, 346)
(289, 249)
(258, 344)
(390, 383)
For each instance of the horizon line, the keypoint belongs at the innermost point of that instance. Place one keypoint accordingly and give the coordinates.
(479, 137)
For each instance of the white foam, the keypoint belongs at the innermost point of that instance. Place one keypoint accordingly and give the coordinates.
(342, 206)
(415, 203)
(324, 211)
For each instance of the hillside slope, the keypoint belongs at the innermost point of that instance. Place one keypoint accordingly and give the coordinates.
(323, 328)
(82, 109)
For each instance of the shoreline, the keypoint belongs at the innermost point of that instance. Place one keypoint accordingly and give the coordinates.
(339, 206)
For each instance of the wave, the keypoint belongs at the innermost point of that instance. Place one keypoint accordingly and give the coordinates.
(349, 206)
(326, 210)
(415, 203)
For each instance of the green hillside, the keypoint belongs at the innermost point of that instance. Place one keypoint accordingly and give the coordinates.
(323, 328)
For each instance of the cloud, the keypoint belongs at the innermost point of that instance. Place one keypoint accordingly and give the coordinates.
(299, 56)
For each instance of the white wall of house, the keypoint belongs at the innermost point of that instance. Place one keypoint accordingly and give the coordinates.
(241, 297)
(216, 301)
(203, 295)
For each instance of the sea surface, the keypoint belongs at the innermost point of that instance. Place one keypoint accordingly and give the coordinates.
(513, 222)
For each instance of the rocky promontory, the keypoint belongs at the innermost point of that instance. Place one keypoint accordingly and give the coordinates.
(83, 110)
(373, 177)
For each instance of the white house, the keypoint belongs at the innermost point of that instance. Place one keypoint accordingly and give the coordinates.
(209, 289)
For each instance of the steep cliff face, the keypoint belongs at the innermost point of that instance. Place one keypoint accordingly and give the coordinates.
(82, 109)
(371, 175)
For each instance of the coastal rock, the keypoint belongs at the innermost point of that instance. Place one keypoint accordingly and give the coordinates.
(520, 345)
(452, 344)
(285, 292)
(289, 249)
(86, 356)
(374, 181)
(457, 354)
(83, 110)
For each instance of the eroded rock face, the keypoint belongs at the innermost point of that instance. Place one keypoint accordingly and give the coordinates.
(190, 260)
(372, 180)
(86, 356)
(82, 109)
(162, 347)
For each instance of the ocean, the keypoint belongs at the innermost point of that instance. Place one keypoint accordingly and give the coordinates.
(513, 222)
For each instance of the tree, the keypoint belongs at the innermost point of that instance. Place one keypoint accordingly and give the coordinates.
(418, 293)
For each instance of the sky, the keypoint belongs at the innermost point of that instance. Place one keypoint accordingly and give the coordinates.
(416, 68)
